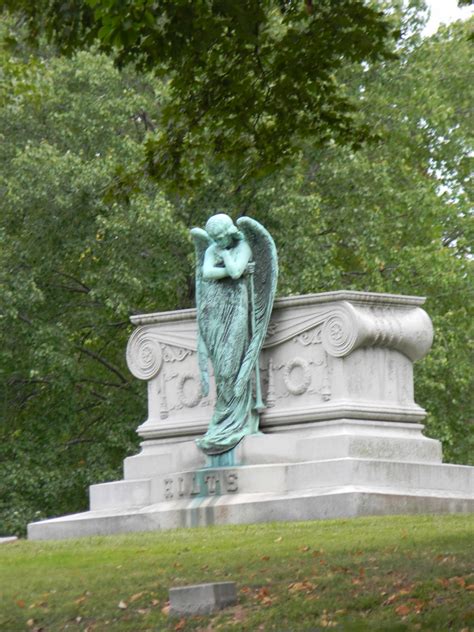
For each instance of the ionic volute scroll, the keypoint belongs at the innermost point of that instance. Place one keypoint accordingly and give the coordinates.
(349, 327)
(144, 354)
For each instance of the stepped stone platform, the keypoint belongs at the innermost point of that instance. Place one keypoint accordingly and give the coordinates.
(340, 437)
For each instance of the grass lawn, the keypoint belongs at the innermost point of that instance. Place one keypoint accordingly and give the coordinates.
(384, 573)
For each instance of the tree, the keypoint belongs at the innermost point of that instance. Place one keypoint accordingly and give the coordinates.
(73, 266)
(398, 214)
(246, 81)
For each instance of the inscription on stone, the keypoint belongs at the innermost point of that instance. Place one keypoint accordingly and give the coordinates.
(202, 483)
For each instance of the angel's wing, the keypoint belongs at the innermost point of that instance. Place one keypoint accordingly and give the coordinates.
(264, 284)
(201, 242)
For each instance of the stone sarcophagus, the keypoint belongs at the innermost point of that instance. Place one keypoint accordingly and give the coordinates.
(326, 356)
(340, 435)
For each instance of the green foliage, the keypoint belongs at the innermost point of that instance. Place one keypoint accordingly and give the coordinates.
(399, 214)
(246, 80)
(72, 269)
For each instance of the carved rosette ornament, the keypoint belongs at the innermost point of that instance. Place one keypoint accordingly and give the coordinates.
(144, 354)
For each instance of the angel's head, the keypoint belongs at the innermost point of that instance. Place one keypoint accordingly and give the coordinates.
(221, 229)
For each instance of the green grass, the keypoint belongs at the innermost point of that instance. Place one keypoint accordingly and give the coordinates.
(387, 573)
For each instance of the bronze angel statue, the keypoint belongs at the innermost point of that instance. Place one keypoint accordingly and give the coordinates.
(236, 276)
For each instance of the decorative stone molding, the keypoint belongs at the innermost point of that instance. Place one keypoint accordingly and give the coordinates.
(189, 401)
(354, 355)
(348, 327)
(144, 354)
(294, 387)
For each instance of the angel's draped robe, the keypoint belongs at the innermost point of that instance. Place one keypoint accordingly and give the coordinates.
(224, 324)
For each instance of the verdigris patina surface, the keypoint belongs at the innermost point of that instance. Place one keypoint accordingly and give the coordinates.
(236, 276)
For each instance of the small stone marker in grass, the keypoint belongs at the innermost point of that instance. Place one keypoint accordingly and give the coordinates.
(11, 538)
(202, 598)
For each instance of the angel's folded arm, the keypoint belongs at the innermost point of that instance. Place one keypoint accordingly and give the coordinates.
(211, 271)
(236, 259)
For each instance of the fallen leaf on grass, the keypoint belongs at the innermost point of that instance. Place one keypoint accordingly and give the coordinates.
(263, 596)
(79, 600)
(122, 605)
(304, 549)
(180, 625)
(304, 586)
(265, 558)
(245, 590)
(30, 623)
(418, 605)
(325, 620)
(155, 602)
(137, 596)
(279, 539)
(444, 559)
(166, 609)
(402, 610)
(20, 603)
(401, 593)
(470, 587)
(460, 581)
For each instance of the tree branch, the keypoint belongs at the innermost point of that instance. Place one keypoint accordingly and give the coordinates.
(104, 362)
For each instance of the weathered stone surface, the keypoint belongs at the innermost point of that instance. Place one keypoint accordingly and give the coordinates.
(202, 598)
(334, 501)
(326, 356)
(340, 437)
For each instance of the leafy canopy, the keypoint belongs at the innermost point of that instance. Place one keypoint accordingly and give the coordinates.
(246, 80)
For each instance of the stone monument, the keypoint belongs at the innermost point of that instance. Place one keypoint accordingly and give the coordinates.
(304, 412)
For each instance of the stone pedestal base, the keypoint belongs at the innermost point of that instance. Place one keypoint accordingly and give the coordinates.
(334, 469)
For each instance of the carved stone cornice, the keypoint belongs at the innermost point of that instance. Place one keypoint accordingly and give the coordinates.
(350, 327)
(347, 326)
(373, 298)
(150, 345)
(348, 321)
